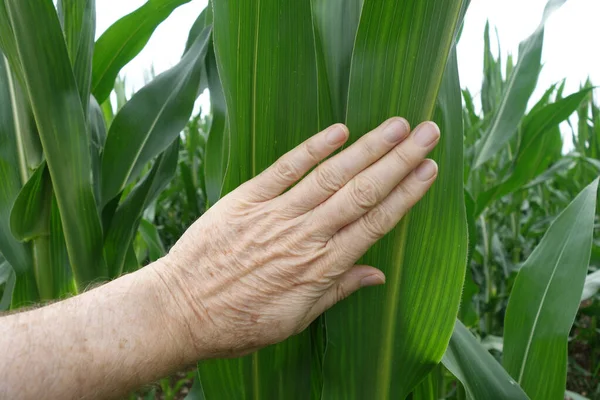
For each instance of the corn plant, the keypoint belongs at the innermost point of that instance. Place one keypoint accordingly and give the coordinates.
(73, 189)
(80, 179)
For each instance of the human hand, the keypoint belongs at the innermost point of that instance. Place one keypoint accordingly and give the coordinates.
(261, 264)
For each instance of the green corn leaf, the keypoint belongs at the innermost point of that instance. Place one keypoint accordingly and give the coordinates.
(518, 90)
(149, 233)
(128, 214)
(13, 171)
(540, 145)
(591, 286)
(8, 45)
(30, 215)
(411, 317)
(335, 25)
(62, 129)
(124, 40)
(266, 63)
(151, 120)
(8, 278)
(97, 132)
(545, 298)
(217, 146)
(479, 372)
(78, 19)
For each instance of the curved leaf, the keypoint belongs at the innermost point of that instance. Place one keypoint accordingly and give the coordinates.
(545, 298)
(383, 341)
(30, 214)
(151, 120)
(124, 40)
(479, 372)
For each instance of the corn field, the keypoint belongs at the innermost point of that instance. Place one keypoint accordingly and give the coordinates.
(492, 279)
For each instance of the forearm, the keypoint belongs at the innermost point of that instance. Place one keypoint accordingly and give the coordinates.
(100, 344)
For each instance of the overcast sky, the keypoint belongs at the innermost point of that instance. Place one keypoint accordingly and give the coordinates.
(570, 47)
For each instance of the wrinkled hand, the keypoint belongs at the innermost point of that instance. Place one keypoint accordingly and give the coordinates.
(262, 264)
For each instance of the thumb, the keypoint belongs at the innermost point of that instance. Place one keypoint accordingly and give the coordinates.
(349, 282)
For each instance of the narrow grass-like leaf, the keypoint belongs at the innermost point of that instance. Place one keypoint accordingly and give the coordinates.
(518, 90)
(62, 129)
(266, 62)
(151, 120)
(545, 298)
(479, 372)
(398, 65)
(123, 40)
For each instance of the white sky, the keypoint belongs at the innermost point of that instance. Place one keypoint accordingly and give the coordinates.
(570, 46)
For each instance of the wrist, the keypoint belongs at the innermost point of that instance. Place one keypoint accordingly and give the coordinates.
(175, 310)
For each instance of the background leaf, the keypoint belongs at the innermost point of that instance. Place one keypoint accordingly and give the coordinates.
(545, 298)
(151, 120)
(123, 40)
(481, 375)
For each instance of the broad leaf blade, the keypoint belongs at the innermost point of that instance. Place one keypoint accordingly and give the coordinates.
(124, 40)
(384, 340)
(151, 120)
(266, 62)
(545, 299)
(479, 372)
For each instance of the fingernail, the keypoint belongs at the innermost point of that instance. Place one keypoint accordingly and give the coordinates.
(426, 170)
(372, 280)
(336, 135)
(426, 134)
(396, 130)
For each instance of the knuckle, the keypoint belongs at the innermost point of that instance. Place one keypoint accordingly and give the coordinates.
(328, 178)
(369, 151)
(404, 159)
(286, 171)
(407, 192)
(341, 292)
(312, 151)
(365, 192)
(374, 222)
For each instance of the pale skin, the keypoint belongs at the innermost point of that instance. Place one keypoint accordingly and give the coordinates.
(255, 269)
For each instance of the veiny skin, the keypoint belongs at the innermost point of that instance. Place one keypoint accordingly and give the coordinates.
(258, 267)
